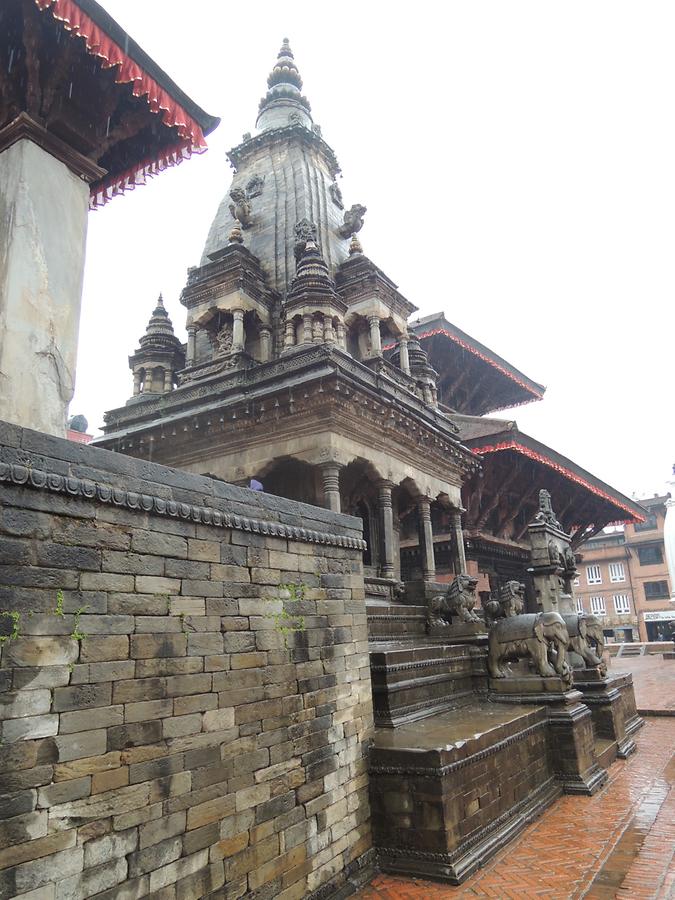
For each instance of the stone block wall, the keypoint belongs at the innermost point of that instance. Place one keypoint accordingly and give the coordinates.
(185, 703)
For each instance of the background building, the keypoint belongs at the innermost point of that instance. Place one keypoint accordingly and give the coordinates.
(649, 572)
(623, 577)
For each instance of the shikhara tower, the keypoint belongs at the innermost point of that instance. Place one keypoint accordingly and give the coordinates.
(302, 371)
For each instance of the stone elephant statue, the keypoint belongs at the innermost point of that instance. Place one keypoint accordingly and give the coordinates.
(586, 637)
(530, 635)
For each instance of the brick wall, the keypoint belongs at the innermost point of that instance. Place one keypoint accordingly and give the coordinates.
(184, 687)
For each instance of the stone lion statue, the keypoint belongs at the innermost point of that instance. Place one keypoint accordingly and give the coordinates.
(240, 208)
(509, 602)
(458, 602)
(353, 220)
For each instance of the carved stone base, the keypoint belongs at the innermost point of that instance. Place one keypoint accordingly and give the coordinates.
(532, 689)
(448, 793)
(458, 866)
(611, 701)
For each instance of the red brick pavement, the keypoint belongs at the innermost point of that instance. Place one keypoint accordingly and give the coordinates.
(653, 679)
(618, 843)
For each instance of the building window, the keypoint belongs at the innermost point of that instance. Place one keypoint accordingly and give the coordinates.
(649, 524)
(580, 605)
(598, 606)
(650, 556)
(593, 575)
(621, 604)
(656, 590)
(576, 582)
(616, 572)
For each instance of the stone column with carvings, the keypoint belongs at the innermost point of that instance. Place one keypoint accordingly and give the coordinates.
(328, 330)
(403, 354)
(168, 380)
(265, 343)
(426, 538)
(386, 529)
(238, 333)
(137, 382)
(341, 336)
(375, 336)
(307, 328)
(330, 474)
(458, 542)
(289, 334)
(191, 345)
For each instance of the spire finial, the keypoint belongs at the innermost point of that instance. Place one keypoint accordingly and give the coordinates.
(236, 237)
(284, 92)
(355, 246)
(160, 300)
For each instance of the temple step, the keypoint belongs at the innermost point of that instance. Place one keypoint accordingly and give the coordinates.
(396, 621)
(413, 681)
(626, 650)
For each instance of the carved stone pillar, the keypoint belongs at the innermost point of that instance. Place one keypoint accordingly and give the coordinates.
(386, 529)
(265, 343)
(238, 334)
(458, 541)
(191, 342)
(375, 337)
(426, 538)
(307, 328)
(317, 331)
(330, 474)
(168, 380)
(341, 336)
(328, 330)
(403, 352)
(137, 382)
(289, 334)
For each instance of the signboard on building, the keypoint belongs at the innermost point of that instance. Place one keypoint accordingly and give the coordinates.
(662, 616)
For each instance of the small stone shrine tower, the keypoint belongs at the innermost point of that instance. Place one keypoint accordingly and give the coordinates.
(553, 567)
(159, 357)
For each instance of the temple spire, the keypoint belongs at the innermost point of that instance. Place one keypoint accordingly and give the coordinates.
(284, 103)
(159, 357)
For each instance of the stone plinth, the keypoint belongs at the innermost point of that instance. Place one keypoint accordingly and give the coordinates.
(449, 792)
(43, 228)
(611, 701)
(570, 728)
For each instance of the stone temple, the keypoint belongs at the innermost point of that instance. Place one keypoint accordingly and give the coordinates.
(305, 375)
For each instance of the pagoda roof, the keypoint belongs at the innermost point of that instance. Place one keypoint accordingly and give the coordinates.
(473, 380)
(488, 437)
(124, 114)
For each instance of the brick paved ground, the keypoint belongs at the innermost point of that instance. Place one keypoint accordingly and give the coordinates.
(654, 680)
(618, 844)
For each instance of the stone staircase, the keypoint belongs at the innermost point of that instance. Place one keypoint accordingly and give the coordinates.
(627, 650)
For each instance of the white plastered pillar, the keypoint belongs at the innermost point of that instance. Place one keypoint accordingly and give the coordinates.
(43, 232)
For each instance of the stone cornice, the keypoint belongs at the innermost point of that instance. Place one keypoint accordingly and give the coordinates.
(25, 128)
(240, 154)
(234, 268)
(100, 492)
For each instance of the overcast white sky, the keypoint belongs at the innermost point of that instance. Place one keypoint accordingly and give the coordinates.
(518, 164)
